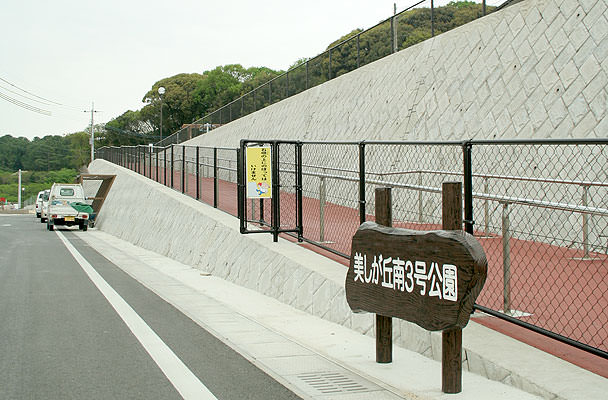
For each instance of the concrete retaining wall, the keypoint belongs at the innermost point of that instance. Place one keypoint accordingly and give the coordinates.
(536, 69)
(167, 222)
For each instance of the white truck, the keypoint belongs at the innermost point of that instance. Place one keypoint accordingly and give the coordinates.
(39, 203)
(67, 206)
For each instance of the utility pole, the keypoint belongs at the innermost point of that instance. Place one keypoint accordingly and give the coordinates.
(19, 194)
(92, 138)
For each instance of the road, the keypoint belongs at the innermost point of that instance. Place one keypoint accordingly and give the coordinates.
(85, 329)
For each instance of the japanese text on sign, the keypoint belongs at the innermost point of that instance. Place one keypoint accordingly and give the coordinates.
(259, 172)
(431, 280)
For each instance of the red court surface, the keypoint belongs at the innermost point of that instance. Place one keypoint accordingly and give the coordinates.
(551, 286)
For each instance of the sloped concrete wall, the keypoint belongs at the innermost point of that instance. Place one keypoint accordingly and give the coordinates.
(536, 69)
(163, 220)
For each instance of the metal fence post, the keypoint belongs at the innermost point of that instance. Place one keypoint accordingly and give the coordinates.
(276, 197)
(486, 207)
(395, 30)
(262, 210)
(183, 169)
(322, 200)
(420, 206)
(585, 222)
(156, 153)
(362, 182)
(432, 18)
(393, 35)
(358, 49)
(172, 163)
(144, 154)
(299, 223)
(506, 258)
(468, 186)
(165, 166)
(215, 183)
(329, 78)
(306, 74)
(198, 176)
(241, 198)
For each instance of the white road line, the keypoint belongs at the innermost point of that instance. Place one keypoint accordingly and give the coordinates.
(186, 383)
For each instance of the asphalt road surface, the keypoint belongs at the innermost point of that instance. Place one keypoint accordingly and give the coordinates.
(74, 326)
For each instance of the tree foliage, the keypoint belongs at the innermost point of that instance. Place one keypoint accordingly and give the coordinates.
(192, 96)
(189, 97)
(32, 182)
(44, 154)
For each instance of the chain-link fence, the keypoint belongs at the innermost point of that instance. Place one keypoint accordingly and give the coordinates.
(542, 214)
(538, 208)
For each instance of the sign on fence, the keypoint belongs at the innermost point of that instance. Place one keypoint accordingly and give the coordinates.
(259, 172)
(430, 278)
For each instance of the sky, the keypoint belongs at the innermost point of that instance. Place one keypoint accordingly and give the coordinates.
(60, 57)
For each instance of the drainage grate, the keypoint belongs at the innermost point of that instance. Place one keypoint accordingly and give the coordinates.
(333, 382)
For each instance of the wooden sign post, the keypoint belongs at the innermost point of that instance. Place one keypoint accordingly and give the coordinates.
(430, 278)
(384, 325)
(451, 338)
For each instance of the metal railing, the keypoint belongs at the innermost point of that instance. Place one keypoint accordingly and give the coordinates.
(542, 228)
(352, 53)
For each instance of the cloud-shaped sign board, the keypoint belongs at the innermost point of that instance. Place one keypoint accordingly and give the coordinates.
(430, 278)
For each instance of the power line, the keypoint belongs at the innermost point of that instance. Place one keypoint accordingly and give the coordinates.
(24, 105)
(24, 96)
(35, 95)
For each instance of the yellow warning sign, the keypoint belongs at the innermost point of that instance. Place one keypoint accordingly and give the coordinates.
(259, 173)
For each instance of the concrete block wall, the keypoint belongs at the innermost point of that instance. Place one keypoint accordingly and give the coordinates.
(536, 69)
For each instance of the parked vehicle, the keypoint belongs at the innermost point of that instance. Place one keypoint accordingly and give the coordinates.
(42, 202)
(67, 206)
(39, 203)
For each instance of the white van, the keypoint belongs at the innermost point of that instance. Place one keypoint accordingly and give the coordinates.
(67, 205)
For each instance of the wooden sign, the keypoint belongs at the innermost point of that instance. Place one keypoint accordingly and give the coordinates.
(430, 278)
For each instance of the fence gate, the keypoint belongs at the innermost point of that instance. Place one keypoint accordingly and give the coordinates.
(270, 187)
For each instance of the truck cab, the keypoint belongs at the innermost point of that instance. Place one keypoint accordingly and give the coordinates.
(67, 206)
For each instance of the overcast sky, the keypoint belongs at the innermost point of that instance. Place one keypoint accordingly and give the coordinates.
(111, 52)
